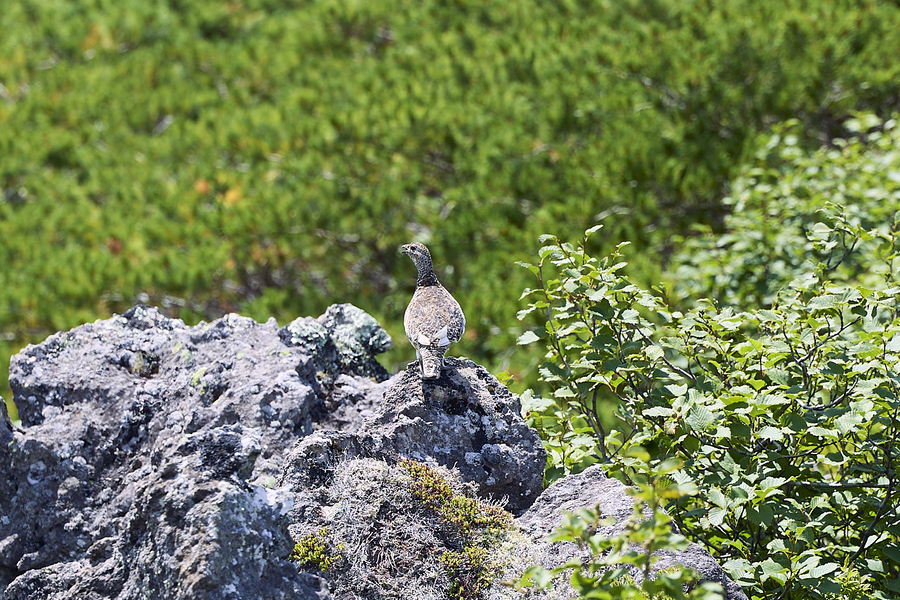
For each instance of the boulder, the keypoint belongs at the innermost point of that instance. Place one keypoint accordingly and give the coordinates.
(593, 488)
(146, 450)
(465, 420)
(343, 340)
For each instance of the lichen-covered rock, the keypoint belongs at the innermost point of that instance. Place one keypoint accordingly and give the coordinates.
(186, 532)
(145, 443)
(465, 420)
(468, 420)
(593, 488)
(350, 400)
(389, 543)
(344, 339)
(158, 460)
(465, 426)
(392, 543)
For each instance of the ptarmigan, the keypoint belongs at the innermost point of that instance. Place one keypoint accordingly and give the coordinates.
(433, 319)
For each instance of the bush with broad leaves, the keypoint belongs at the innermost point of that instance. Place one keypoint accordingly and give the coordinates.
(786, 415)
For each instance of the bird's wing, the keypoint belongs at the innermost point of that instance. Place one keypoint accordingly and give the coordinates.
(457, 331)
(433, 318)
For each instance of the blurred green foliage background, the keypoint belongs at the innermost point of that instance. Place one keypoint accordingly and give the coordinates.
(269, 156)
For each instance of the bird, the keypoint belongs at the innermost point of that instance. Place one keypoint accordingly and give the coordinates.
(433, 319)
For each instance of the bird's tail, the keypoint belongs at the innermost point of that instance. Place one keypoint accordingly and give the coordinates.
(431, 366)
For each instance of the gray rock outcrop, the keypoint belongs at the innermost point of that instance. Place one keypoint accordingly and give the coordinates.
(465, 420)
(161, 460)
(593, 488)
(137, 473)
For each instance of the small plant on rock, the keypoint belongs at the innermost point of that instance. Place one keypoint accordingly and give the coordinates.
(468, 570)
(473, 523)
(469, 515)
(315, 549)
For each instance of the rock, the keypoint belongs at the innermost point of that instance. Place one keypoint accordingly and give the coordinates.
(392, 542)
(350, 400)
(465, 425)
(145, 445)
(468, 420)
(6, 430)
(343, 340)
(587, 489)
(465, 420)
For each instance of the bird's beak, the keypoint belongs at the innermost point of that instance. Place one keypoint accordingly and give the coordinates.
(404, 249)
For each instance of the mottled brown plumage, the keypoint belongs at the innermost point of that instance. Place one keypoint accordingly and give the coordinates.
(433, 319)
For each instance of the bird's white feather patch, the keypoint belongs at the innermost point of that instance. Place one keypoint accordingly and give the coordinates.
(441, 337)
(423, 340)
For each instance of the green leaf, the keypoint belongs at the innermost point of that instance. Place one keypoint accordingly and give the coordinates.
(824, 302)
(847, 422)
(546, 251)
(654, 352)
(822, 432)
(677, 390)
(717, 516)
(528, 266)
(699, 418)
(716, 496)
(630, 316)
(773, 570)
(536, 576)
(893, 344)
(529, 337)
(756, 384)
(875, 565)
(771, 433)
(820, 571)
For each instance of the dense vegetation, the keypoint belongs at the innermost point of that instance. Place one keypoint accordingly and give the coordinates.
(269, 156)
(773, 380)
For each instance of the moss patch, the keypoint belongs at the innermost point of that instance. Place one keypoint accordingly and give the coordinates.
(476, 524)
(314, 549)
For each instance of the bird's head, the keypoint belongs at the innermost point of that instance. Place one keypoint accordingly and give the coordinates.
(419, 255)
(415, 249)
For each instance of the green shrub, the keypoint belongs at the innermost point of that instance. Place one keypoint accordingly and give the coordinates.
(470, 516)
(785, 416)
(468, 572)
(780, 212)
(473, 526)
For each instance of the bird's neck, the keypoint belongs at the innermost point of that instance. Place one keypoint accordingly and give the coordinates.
(426, 278)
